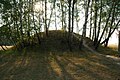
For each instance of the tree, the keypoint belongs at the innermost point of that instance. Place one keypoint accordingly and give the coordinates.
(21, 21)
(73, 6)
(46, 28)
(110, 16)
(85, 23)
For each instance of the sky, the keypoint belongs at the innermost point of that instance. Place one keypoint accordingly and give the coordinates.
(114, 39)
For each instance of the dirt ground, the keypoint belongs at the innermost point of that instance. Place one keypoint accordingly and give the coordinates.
(58, 66)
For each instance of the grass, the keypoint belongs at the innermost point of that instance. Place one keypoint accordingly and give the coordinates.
(114, 47)
(52, 60)
(53, 65)
(108, 51)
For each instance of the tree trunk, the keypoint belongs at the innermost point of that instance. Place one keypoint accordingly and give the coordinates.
(110, 33)
(46, 28)
(50, 17)
(73, 5)
(69, 26)
(106, 25)
(21, 22)
(85, 24)
(62, 14)
(90, 34)
(95, 22)
(99, 24)
(111, 24)
(119, 42)
(76, 18)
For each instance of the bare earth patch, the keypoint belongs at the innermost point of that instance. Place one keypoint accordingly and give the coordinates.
(58, 66)
(6, 47)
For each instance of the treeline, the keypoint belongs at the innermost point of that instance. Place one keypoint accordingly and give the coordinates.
(21, 19)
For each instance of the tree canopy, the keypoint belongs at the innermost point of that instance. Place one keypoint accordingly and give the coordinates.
(21, 19)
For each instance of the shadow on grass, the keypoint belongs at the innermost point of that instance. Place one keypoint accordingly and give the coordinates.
(30, 67)
(55, 66)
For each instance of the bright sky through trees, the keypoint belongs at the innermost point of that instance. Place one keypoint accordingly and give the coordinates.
(39, 7)
(96, 20)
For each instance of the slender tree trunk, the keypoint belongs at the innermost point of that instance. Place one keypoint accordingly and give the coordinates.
(46, 28)
(38, 38)
(65, 24)
(106, 25)
(99, 24)
(86, 18)
(90, 34)
(119, 42)
(55, 20)
(85, 24)
(21, 22)
(76, 17)
(110, 33)
(62, 14)
(28, 22)
(69, 26)
(111, 24)
(73, 5)
(95, 22)
(50, 17)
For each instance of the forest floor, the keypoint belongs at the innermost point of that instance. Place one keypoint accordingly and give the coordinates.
(84, 65)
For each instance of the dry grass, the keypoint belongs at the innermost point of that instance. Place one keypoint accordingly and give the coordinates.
(51, 60)
(58, 66)
(113, 46)
(109, 51)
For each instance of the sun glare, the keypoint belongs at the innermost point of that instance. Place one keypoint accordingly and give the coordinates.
(38, 7)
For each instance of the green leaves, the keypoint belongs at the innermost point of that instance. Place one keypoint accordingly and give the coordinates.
(6, 4)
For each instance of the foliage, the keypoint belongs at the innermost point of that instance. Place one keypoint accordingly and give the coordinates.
(21, 19)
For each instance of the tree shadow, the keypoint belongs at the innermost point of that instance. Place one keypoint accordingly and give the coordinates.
(85, 70)
(65, 74)
(27, 67)
(31, 67)
(98, 67)
(53, 66)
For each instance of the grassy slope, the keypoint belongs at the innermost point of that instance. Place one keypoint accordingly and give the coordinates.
(44, 63)
(110, 50)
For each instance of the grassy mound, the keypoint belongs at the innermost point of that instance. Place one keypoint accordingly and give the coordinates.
(57, 40)
(34, 65)
(52, 57)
